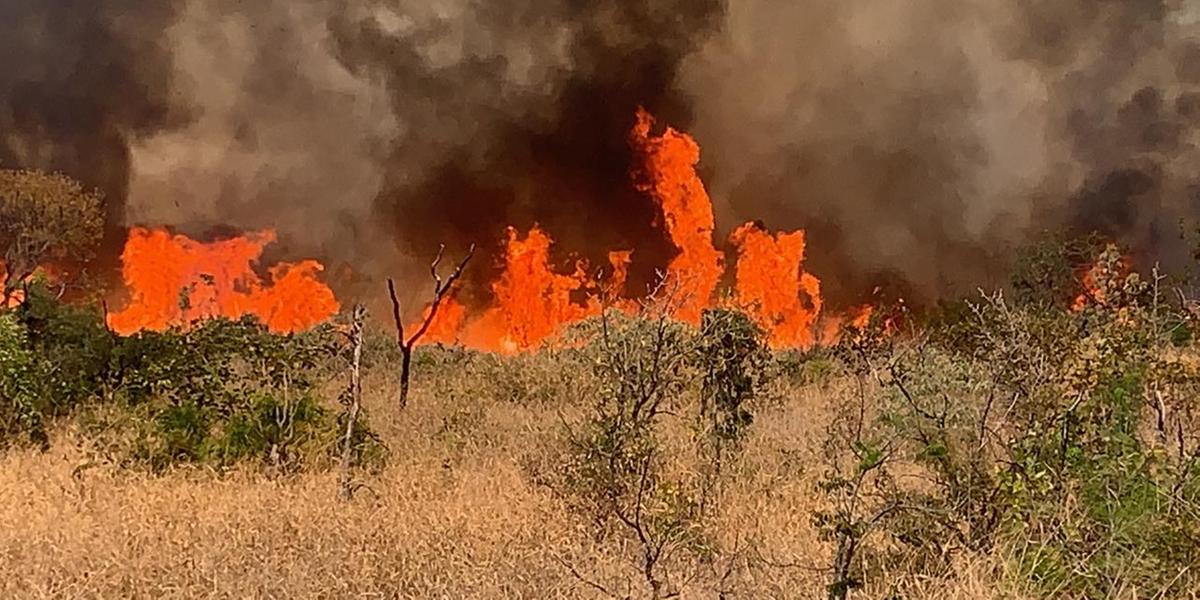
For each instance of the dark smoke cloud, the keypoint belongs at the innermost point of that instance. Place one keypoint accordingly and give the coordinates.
(520, 113)
(923, 141)
(920, 142)
(81, 81)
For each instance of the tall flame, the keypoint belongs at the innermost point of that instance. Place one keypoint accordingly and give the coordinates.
(669, 176)
(175, 280)
(532, 302)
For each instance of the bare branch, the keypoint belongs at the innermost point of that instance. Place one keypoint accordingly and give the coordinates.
(440, 290)
(396, 312)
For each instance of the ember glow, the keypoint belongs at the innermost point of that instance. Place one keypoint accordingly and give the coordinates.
(13, 299)
(175, 280)
(1100, 274)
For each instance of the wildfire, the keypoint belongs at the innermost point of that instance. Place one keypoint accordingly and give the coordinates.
(669, 177)
(11, 299)
(772, 286)
(532, 301)
(1099, 276)
(175, 280)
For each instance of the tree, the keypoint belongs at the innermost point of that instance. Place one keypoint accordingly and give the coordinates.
(440, 290)
(44, 217)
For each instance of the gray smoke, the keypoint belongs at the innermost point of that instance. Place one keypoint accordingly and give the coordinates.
(924, 140)
(920, 142)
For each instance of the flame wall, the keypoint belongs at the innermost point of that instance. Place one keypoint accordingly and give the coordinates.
(918, 142)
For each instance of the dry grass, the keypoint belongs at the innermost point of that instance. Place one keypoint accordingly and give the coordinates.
(453, 515)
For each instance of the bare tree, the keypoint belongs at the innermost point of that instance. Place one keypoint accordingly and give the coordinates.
(352, 399)
(440, 290)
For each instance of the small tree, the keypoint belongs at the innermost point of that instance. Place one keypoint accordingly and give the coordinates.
(440, 290)
(44, 217)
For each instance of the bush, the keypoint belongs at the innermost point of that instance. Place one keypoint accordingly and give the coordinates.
(23, 395)
(616, 471)
(223, 392)
(1057, 437)
(650, 375)
(218, 393)
(75, 343)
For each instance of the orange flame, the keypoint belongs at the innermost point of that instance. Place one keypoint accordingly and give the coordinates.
(772, 286)
(175, 280)
(532, 302)
(1093, 289)
(446, 323)
(12, 299)
(669, 176)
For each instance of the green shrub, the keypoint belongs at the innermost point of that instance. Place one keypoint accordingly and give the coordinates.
(73, 341)
(24, 398)
(733, 358)
(223, 392)
(1058, 437)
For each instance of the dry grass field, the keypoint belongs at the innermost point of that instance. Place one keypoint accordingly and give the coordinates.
(454, 514)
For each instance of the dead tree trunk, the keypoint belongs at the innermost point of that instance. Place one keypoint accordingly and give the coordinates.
(440, 290)
(353, 401)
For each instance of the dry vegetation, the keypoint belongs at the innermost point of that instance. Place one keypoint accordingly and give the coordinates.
(1006, 448)
(452, 515)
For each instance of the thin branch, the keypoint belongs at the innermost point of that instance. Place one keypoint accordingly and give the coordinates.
(440, 289)
(581, 578)
(396, 312)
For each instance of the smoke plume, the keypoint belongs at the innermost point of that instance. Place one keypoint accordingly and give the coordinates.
(920, 142)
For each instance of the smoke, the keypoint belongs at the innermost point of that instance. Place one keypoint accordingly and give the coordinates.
(920, 142)
(81, 81)
(925, 140)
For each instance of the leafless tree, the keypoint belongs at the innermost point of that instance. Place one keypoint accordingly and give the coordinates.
(441, 288)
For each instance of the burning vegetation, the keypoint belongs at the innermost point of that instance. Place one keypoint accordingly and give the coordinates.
(171, 280)
(695, 260)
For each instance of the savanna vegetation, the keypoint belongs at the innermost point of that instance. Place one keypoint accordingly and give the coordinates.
(1026, 443)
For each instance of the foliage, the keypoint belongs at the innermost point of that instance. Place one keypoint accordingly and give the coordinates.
(22, 392)
(616, 465)
(217, 393)
(75, 344)
(621, 471)
(1057, 437)
(734, 362)
(1047, 273)
(44, 218)
(224, 391)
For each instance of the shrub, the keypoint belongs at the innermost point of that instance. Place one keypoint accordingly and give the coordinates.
(220, 393)
(44, 217)
(616, 470)
(1043, 434)
(74, 342)
(651, 491)
(23, 396)
(735, 364)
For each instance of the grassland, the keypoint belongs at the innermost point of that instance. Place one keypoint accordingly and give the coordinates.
(454, 514)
